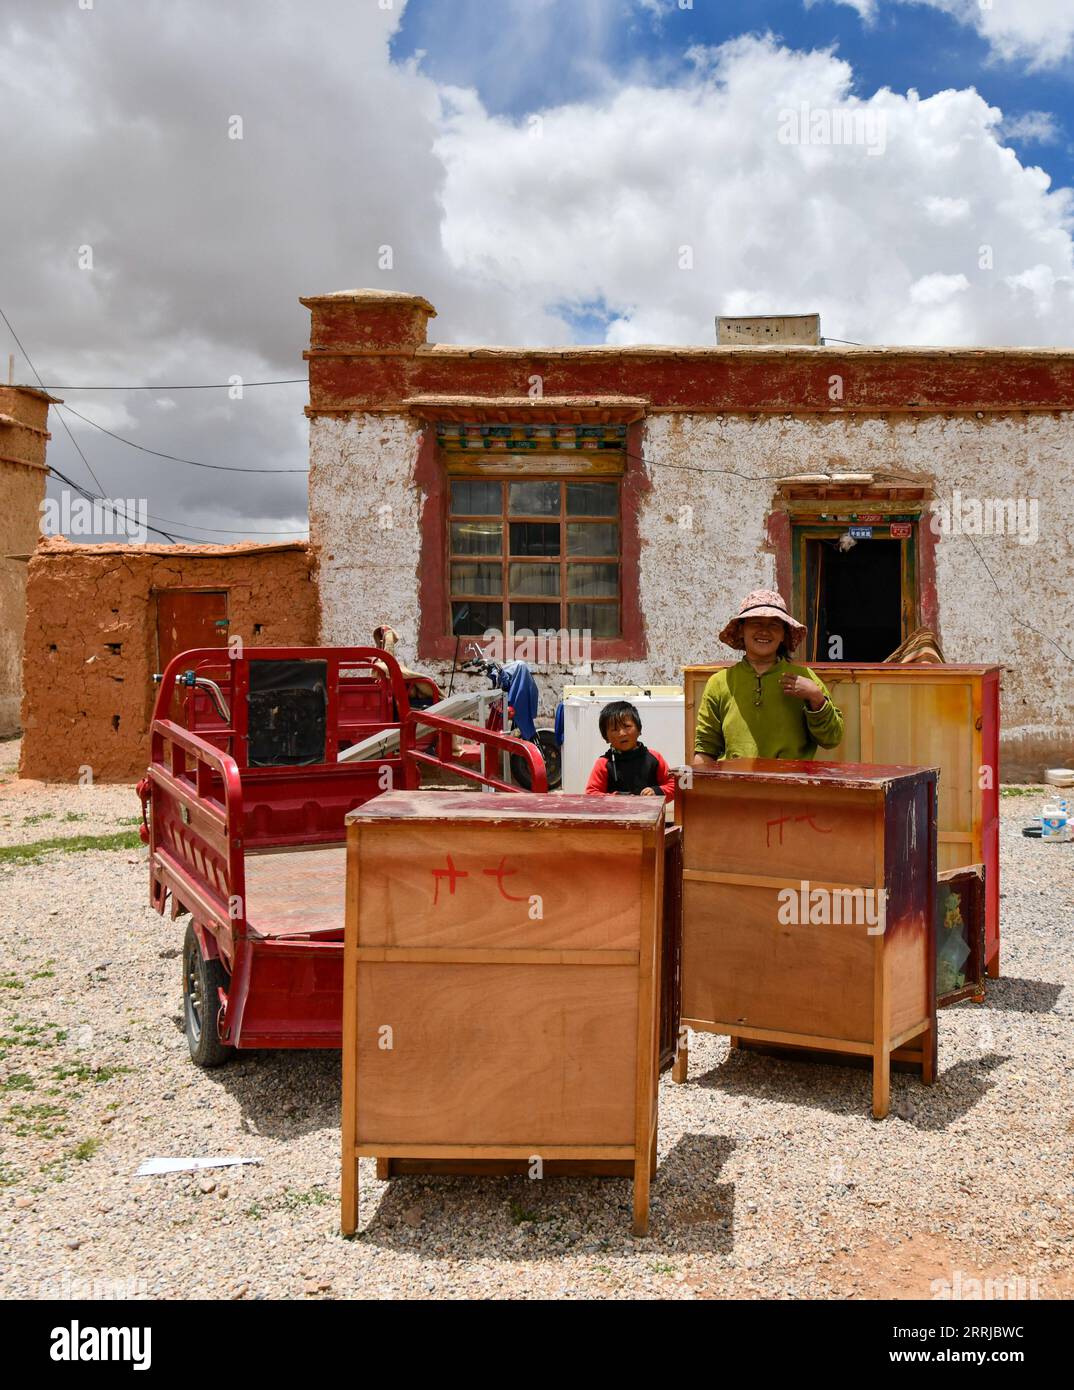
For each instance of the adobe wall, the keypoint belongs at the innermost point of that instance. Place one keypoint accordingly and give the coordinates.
(23, 437)
(90, 651)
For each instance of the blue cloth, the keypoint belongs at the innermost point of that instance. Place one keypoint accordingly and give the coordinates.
(559, 723)
(522, 695)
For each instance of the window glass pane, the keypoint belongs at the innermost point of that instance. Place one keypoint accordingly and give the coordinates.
(600, 619)
(533, 499)
(591, 538)
(476, 537)
(534, 579)
(476, 579)
(470, 619)
(475, 497)
(535, 616)
(593, 581)
(535, 538)
(592, 499)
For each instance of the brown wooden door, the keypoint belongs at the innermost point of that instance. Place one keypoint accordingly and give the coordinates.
(188, 618)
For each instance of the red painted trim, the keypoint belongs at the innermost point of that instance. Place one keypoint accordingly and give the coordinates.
(707, 380)
(433, 618)
(778, 535)
(928, 606)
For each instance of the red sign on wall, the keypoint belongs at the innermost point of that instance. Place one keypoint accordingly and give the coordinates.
(901, 530)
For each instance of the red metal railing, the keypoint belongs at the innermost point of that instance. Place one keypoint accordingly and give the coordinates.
(489, 740)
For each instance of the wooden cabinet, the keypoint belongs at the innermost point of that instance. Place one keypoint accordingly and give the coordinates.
(502, 983)
(808, 909)
(920, 716)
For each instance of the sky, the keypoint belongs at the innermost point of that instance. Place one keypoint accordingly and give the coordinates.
(176, 175)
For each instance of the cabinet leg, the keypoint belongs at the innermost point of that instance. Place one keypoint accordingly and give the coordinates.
(640, 1225)
(349, 1217)
(928, 1060)
(681, 1066)
(881, 1084)
(732, 1042)
(992, 967)
(384, 1169)
(652, 1155)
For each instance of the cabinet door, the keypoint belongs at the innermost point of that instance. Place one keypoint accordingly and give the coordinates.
(925, 723)
(960, 934)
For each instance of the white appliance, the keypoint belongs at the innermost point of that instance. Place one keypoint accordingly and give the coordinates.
(661, 709)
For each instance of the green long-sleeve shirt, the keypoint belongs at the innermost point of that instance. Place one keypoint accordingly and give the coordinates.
(731, 724)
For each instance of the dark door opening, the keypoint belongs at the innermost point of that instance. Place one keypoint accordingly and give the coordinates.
(854, 595)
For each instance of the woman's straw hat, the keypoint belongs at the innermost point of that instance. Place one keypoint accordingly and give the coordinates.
(762, 603)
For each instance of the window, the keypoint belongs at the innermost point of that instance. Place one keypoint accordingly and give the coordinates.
(542, 553)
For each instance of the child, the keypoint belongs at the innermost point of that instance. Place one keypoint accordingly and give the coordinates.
(628, 768)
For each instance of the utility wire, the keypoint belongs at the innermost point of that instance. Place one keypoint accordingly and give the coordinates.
(116, 510)
(207, 386)
(173, 458)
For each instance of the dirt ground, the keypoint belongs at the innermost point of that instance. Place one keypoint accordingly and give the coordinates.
(774, 1182)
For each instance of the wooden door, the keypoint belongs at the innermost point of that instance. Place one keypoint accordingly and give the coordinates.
(188, 618)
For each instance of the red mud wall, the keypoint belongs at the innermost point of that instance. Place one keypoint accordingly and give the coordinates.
(91, 641)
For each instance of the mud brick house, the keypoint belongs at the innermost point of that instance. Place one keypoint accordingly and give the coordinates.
(23, 437)
(631, 495)
(101, 619)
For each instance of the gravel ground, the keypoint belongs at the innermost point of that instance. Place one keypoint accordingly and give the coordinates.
(774, 1182)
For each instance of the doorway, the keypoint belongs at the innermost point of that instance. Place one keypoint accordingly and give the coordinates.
(189, 618)
(857, 594)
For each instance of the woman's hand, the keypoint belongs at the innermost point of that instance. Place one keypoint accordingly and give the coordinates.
(804, 689)
(647, 791)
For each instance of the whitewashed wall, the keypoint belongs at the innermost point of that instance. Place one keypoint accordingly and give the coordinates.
(703, 539)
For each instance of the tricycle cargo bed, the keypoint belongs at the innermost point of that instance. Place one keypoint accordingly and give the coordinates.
(297, 893)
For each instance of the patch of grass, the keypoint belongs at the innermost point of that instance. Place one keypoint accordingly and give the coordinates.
(1021, 791)
(658, 1267)
(11, 982)
(80, 1072)
(19, 1081)
(31, 1035)
(519, 1213)
(9, 1176)
(315, 1197)
(43, 975)
(76, 815)
(88, 1147)
(31, 854)
(36, 820)
(256, 1212)
(40, 1120)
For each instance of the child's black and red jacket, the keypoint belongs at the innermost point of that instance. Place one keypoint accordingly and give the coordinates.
(627, 774)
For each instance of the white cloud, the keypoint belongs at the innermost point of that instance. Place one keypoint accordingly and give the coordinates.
(202, 245)
(1037, 32)
(600, 204)
(1032, 127)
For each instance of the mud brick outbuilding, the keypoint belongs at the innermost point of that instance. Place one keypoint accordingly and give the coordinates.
(634, 494)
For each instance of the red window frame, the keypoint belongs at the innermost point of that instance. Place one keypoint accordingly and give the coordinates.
(435, 641)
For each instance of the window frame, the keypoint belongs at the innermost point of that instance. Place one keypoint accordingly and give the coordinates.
(505, 559)
(432, 475)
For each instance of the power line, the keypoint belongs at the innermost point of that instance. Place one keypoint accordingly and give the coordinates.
(207, 386)
(173, 458)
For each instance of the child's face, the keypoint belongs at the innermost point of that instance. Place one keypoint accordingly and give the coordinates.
(623, 736)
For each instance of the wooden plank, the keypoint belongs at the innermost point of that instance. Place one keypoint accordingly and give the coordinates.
(515, 1053)
(652, 879)
(778, 1035)
(767, 881)
(504, 1167)
(508, 955)
(388, 1149)
(349, 1132)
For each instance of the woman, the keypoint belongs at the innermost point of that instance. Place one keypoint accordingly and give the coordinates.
(765, 706)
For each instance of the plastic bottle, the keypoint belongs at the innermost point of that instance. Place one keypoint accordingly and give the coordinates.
(1054, 826)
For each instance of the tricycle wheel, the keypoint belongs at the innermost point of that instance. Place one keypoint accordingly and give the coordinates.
(545, 741)
(201, 980)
